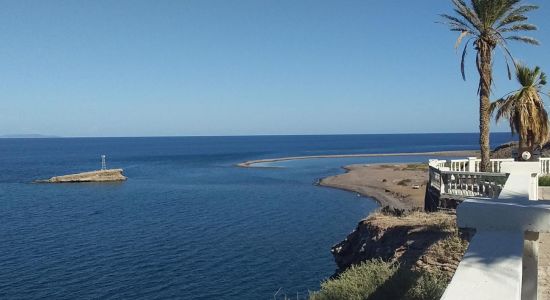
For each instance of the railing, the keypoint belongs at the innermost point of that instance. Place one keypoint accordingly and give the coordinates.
(544, 166)
(452, 181)
(472, 164)
(466, 184)
(460, 165)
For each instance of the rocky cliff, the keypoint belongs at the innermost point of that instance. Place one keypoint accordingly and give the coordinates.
(418, 240)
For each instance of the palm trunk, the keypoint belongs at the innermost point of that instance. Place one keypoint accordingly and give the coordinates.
(486, 77)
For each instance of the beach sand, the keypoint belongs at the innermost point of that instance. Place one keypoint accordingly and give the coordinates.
(460, 153)
(389, 184)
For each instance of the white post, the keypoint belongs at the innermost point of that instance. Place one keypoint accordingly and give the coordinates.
(471, 164)
(534, 193)
(523, 179)
(529, 282)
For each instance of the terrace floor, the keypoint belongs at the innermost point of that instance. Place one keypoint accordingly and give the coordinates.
(544, 266)
(544, 255)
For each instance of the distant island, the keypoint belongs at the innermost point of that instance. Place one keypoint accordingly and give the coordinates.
(27, 136)
(109, 175)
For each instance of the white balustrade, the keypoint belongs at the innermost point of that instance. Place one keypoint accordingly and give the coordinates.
(545, 165)
(502, 258)
(473, 164)
(495, 164)
(459, 165)
(462, 177)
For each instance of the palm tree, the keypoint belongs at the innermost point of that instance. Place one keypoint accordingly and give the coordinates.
(524, 108)
(488, 24)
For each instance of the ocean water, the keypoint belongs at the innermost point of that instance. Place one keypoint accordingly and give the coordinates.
(187, 224)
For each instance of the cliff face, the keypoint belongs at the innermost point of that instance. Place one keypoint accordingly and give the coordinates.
(418, 240)
(93, 176)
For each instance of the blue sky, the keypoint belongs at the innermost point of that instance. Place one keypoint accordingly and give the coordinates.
(209, 67)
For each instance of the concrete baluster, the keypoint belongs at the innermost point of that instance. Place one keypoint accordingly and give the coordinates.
(529, 284)
(474, 162)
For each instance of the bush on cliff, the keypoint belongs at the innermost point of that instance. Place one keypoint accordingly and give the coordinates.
(395, 254)
(544, 181)
(357, 282)
(376, 279)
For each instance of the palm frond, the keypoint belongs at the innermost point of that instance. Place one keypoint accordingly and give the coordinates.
(462, 9)
(457, 23)
(517, 15)
(519, 27)
(462, 60)
(511, 19)
(496, 105)
(524, 108)
(525, 39)
(460, 37)
(490, 11)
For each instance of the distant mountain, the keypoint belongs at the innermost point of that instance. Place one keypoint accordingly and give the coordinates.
(26, 136)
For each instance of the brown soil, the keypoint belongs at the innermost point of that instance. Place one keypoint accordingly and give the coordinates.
(400, 186)
(417, 241)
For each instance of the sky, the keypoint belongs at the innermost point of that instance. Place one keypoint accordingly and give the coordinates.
(241, 67)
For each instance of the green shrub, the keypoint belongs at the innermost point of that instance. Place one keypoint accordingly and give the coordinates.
(357, 282)
(427, 287)
(376, 279)
(544, 181)
(416, 167)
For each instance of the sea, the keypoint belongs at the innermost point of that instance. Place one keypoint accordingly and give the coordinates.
(188, 223)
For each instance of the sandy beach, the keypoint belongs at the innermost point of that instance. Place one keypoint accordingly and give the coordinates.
(400, 186)
(465, 153)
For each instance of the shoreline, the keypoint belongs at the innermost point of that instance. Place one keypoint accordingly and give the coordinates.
(388, 184)
(455, 153)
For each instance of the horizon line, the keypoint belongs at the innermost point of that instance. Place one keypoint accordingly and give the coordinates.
(43, 136)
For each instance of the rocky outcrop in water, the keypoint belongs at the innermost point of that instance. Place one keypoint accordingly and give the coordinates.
(93, 176)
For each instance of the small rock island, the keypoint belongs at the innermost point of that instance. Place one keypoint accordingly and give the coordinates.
(108, 175)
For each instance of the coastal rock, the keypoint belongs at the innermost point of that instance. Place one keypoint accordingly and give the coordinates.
(506, 150)
(93, 176)
(417, 240)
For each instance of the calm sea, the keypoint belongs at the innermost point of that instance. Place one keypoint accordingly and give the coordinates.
(187, 224)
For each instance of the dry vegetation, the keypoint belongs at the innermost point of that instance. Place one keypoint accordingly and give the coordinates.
(395, 254)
